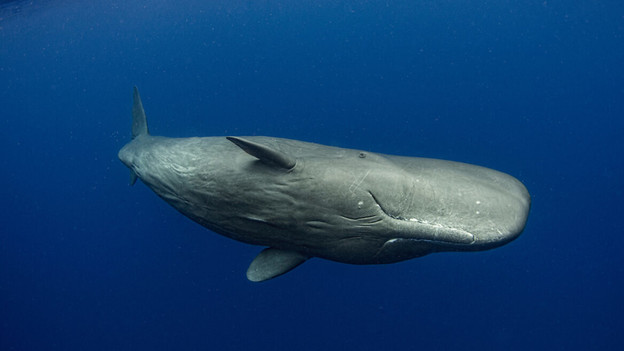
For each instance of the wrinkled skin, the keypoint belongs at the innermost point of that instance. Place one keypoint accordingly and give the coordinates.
(339, 204)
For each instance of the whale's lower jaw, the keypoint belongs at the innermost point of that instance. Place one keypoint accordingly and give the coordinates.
(420, 230)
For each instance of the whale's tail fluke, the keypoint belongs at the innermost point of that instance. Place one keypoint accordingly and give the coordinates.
(139, 122)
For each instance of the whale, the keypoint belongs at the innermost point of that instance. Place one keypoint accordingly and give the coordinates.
(301, 200)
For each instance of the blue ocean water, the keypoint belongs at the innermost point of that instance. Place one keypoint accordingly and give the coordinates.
(531, 88)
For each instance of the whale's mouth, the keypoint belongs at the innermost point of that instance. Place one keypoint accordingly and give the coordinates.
(417, 229)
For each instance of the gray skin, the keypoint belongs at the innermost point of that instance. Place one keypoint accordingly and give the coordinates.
(305, 200)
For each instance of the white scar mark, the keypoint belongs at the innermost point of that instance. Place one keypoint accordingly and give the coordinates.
(356, 183)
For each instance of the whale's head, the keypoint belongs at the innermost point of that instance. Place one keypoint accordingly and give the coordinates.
(396, 208)
(434, 205)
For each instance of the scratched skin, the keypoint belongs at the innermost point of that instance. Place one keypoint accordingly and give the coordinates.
(340, 204)
(305, 200)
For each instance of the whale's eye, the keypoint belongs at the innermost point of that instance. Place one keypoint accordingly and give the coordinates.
(362, 155)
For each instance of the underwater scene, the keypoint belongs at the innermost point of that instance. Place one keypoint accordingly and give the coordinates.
(311, 175)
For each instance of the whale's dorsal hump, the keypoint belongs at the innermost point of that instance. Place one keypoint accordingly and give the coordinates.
(272, 262)
(264, 153)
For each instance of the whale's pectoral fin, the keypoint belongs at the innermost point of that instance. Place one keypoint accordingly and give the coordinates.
(264, 153)
(272, 262)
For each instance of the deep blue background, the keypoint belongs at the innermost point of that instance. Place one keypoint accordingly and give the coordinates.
(531, 88)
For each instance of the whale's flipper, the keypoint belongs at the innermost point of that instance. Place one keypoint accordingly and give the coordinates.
(272, 262)
(139, 121)
(264, 153)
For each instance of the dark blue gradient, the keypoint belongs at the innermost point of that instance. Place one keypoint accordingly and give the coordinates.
(531, 88)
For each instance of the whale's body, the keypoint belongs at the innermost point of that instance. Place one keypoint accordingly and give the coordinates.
(305, 200)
